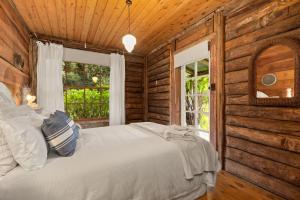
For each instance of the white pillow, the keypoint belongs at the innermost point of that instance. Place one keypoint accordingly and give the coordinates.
(11, 111)
(7, 161)
(26, 141)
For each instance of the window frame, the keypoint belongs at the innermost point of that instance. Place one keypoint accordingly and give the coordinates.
(196, 95)
(101, 88)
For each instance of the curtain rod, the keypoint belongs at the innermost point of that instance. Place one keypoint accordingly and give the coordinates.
(79, 45)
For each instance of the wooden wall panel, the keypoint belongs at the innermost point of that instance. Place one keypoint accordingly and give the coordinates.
(262, 143)
(158, 86)
(14, 38)
(134, 88)
(163, 81)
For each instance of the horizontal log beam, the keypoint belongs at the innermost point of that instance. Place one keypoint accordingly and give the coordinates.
(281, 141)
(265, 181)
(272, 168)
(277, 155)
(284, 127)
(279, 113)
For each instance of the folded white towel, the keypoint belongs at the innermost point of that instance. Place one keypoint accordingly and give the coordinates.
(179, 128)
(178, 133)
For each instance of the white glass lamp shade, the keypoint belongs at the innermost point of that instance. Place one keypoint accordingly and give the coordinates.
(30, 99)
(95, 79)
(129, 42)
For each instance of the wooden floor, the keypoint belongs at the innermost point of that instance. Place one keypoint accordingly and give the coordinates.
(230, 187)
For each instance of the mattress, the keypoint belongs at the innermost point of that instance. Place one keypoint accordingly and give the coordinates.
(116, 162)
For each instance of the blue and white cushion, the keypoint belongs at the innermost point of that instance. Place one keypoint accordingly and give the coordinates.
(70, 122)
(60, 133)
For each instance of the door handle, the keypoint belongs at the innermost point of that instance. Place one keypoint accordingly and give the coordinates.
(212, 87)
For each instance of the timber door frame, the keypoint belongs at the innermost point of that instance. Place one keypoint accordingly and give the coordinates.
(217, 76)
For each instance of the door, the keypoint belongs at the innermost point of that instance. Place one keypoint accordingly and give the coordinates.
(195, 96)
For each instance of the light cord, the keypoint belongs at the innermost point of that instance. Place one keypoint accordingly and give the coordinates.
(129, 2)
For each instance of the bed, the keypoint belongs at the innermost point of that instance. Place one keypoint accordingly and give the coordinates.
(116, 162)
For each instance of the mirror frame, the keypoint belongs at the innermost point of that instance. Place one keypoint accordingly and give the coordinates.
(292, 43)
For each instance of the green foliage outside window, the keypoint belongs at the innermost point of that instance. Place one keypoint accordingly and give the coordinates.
(197, 83)
(86, 90)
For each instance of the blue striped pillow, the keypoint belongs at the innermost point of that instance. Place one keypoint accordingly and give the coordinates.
(71, 123)
(60, 133)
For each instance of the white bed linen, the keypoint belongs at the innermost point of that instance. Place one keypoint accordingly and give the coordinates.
(197, 155)
(117, 162)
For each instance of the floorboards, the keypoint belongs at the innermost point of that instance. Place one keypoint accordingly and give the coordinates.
(230, 187)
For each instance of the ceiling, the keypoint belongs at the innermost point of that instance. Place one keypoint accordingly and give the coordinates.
(104, 22)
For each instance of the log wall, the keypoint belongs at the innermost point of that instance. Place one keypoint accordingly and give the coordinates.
(134, 88)
(262, 143)
(158, 85)
(14, 38)
(163, 81)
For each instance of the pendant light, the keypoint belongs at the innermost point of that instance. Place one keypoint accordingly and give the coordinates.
(128, 40)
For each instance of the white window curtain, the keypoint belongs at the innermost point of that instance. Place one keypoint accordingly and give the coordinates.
(49, 77)
(117, 90)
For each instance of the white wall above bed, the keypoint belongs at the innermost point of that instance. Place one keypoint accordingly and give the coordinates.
(87, 57)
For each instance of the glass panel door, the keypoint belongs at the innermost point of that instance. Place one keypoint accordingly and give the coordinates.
(195, 96)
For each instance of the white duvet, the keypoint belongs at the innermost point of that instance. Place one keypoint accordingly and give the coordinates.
(110, 163)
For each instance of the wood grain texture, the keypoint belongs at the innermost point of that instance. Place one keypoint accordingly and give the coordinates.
(158, 85)
(277, 186)
(104, 22)
(134, 88)
(14, 39)
(262, 142)
(286, 157)
(270, 167)
(217, 100)
(229, 187)
(267, 138)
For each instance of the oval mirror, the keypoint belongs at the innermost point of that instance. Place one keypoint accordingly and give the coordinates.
(269, 79)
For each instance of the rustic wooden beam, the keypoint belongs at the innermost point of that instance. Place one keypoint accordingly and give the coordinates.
(278, 155)
(267, 166)
(236, 76)
(146, 83)
(219, 29)
(172, 86)
(268, 138)
(277, 126)
(237, 100)
(250, 48)
(237, 89)
(279, 113)
(14, 15)
(279, 187)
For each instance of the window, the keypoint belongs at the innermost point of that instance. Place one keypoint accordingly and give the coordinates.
(86, 90)
(195, 93)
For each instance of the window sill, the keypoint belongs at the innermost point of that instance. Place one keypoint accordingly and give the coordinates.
(92, 123)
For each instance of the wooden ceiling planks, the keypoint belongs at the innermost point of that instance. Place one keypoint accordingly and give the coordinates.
(122, 24)
(117, 14)
(104, 22)
(182, 23)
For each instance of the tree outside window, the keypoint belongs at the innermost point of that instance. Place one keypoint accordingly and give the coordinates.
(197, 95)
(86, 90)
